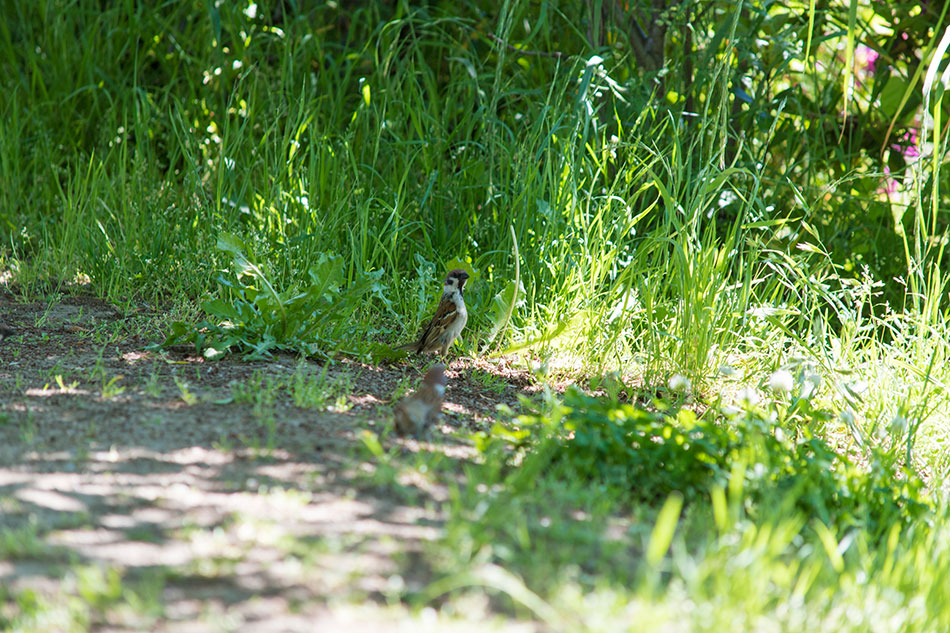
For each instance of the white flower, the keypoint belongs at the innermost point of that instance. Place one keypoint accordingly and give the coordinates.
(781, 382)
(680, 383)
(748, 396)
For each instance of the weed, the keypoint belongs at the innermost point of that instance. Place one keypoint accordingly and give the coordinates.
(63, 386)
(111, 387)
(185, 393)
(224, 444)
(488, 380)
(152, 386)
(259, 390)
(259, 320)
(97, 373)
(313, 390)
(309, 389)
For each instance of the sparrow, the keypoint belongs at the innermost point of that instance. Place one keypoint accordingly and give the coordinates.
(448, 321)
(421, 409)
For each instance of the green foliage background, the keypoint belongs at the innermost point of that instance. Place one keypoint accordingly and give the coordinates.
(646, 202)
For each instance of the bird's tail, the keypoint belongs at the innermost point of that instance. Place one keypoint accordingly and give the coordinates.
(410, 346)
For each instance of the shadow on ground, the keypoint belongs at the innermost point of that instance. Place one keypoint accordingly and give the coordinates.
(213, 497)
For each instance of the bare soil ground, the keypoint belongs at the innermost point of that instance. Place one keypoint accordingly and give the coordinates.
(205, 482)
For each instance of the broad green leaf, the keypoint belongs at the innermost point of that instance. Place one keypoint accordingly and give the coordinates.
(380, 353)
(503, 305)
(222, 310)
(327, 275)
(234, 246)
(452, 264)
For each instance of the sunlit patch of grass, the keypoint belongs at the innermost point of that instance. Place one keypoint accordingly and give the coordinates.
(87, 596)
(314, 389)
(556, 526)
(27, 542)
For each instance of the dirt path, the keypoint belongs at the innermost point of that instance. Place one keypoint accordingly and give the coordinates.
(171, 494)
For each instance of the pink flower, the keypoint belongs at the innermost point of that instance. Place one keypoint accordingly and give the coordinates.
(868, 55)
(890, 184)
(907, 144)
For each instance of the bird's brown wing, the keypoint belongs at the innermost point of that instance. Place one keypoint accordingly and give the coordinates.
(444, 315)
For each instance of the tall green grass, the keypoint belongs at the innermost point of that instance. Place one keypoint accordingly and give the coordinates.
(150, 131)
(650, 241)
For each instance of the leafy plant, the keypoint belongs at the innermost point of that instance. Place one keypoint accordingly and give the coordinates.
(255, 318)
(111, 388)
(258, 390)
(185, 392)
(647, 454)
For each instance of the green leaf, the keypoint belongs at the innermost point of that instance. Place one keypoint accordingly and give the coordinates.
(503, 304)
(222, 310)
(452, 264)
(663, 530)
(371, 442)
(381, 353)
(235, 247)
(327, 275)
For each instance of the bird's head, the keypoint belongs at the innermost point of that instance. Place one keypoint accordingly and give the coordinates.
(435, 378)
(456, 279)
